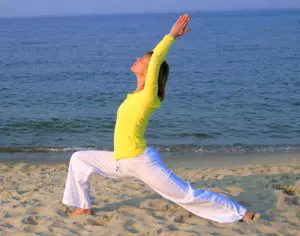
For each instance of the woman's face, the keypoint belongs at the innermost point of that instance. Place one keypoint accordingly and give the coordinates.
(140, 67)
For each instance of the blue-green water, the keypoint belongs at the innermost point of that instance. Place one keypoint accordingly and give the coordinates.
(234, 82)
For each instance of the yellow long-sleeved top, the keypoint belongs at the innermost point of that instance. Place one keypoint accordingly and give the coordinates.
(135, 112)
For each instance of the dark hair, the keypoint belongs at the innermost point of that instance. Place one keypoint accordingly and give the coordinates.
(162, 78)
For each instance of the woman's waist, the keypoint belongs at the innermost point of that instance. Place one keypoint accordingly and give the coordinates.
(128, 147)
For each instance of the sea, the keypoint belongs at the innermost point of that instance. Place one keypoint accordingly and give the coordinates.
(234, 82)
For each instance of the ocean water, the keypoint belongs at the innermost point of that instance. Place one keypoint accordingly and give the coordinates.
(234, 82)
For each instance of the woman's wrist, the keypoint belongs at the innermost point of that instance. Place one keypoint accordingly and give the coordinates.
(172, 35)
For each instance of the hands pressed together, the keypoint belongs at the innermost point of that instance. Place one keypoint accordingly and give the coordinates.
(180, 27)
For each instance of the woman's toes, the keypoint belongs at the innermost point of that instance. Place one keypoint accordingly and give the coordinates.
(80, 211)
(249, 216)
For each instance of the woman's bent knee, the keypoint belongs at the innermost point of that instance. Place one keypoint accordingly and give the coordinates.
(75, 155)
(74, 158)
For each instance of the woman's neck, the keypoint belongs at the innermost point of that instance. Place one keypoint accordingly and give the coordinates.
(140, 83)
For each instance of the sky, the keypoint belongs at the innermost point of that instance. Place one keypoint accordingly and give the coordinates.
(18, 8)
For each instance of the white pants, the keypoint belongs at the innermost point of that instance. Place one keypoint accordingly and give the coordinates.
(149, 168)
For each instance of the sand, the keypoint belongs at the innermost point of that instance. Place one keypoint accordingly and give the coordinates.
(30, 202)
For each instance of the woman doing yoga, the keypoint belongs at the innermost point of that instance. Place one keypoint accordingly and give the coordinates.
(133, 158)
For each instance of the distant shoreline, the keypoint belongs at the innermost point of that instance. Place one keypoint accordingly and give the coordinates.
(114, 14)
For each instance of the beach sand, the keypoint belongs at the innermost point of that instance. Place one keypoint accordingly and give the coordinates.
(31, 193)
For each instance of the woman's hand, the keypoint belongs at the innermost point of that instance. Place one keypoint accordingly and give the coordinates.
(180, 27)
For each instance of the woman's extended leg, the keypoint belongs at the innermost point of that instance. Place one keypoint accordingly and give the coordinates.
(203, 203)
(82, 165)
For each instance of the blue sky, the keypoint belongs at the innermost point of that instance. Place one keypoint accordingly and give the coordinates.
(10, 8)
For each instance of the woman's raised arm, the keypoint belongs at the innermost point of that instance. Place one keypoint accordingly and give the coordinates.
(160, 53)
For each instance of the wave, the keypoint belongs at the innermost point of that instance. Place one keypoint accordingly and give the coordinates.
(47, 149)
(60, 125)
(199, 135)
(36, 42)
(238, 148)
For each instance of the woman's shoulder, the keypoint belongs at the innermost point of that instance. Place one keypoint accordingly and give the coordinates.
(142, 98)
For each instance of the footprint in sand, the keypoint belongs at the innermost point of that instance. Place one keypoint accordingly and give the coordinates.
(31, 220)
(288, 195)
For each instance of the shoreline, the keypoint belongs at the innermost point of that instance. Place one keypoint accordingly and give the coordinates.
(172, 160)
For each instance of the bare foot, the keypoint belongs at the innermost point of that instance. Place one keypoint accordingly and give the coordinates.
(81, 211)
(249, 216)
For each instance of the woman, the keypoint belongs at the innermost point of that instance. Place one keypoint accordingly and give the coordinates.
(132, 157)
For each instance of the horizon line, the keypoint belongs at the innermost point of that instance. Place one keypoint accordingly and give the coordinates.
(147, 13)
